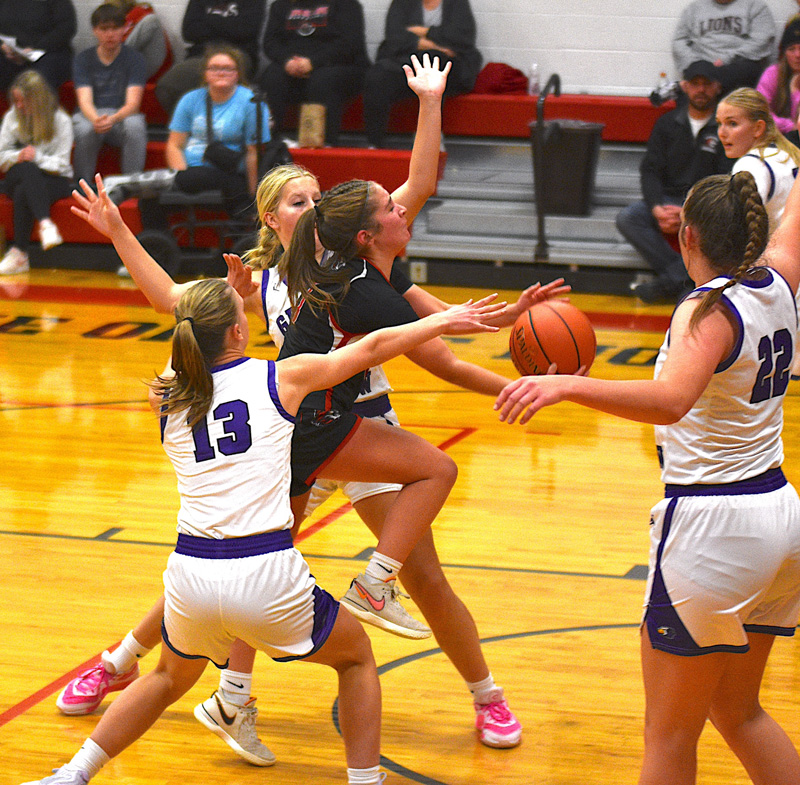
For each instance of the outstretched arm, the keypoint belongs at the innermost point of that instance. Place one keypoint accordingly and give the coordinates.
(691, 361)
(156, 284)
(305, 373)
(102, 214)
(428, 81)
(436, 358)
(425, 303)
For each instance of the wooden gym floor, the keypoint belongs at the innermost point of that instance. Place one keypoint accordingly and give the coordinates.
(544, 537)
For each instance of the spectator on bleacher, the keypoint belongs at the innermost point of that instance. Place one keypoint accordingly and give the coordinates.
(682, 149)
(35, 148)
(109, 85)
(443, 28)
(780, 82)
(196, 154)
(206, 22)
(737, 36)
(43, 26)
(145, 34)
(318, 55)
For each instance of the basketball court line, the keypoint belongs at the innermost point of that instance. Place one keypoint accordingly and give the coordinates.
(635, 572)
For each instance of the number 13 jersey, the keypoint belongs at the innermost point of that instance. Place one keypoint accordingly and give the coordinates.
(733, 431)
(233, 466)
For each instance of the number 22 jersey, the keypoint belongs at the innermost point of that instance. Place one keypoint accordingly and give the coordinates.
(733, 431)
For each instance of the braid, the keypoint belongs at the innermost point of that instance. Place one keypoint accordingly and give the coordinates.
(748, 215)
(266, 252)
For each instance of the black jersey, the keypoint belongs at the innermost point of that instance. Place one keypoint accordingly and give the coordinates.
(371, 302)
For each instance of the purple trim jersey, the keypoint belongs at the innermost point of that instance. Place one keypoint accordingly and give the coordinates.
(233, 466)
(733, 432)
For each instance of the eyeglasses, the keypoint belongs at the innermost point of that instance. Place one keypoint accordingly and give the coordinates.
(222, 69)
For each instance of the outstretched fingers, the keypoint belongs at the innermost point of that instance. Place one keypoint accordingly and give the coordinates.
(472, 317)
(240, 277)
(427, 76)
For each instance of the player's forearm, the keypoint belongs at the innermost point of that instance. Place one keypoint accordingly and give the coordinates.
(156, 285)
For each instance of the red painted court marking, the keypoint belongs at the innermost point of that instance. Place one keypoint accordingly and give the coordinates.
(46, 692)
(639, 322)
(94, 295)
(60, 682)
(90, 295)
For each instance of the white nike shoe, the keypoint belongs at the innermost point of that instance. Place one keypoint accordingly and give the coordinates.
(236, 726)
(375, 602)
(62, 776)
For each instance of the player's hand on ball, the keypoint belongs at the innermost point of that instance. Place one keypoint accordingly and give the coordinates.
(523, 397)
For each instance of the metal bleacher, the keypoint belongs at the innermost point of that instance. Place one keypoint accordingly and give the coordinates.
(482, 223)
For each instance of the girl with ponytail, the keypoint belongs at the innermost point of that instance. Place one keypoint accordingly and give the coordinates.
(284, 195)
(725, 541)
(226, 426)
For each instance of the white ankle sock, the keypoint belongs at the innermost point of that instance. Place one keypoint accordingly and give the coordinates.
(382, 568)
(89, 759)
(235, 687)
(481, 689)
(370, 776)
(46, 222)
(123, 658)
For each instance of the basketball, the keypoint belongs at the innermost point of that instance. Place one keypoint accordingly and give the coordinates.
(552, 332)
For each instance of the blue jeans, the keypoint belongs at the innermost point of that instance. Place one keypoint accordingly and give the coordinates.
(637, 225)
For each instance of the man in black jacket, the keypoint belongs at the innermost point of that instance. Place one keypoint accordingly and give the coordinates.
(234, 22)
(445, 30)
(683, 148)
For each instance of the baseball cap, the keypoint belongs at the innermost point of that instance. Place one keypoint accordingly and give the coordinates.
(701, 68)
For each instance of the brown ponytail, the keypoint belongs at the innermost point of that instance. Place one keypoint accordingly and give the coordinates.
(337, 219)
(203, 315)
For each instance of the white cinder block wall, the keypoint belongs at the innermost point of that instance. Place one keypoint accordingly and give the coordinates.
(615, 47)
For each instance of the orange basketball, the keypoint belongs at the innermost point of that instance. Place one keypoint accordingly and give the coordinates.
(552, 332)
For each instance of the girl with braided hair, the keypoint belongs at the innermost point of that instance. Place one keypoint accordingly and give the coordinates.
(724, 575)
(748, 133)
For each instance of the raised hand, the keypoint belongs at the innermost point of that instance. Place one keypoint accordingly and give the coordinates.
(239, 276)
(426, 78)
(97, 209)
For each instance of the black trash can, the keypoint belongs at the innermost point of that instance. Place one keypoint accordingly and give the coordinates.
(569, 166)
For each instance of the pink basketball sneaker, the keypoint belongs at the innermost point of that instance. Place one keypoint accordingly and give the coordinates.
(86, 691)
(496, 724)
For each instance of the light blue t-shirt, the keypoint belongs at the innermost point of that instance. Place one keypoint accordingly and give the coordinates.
(234, 122)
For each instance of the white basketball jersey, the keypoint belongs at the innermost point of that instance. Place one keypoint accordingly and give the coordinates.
(774, 174)
(733, 432)
(278, 313)
(233, 467)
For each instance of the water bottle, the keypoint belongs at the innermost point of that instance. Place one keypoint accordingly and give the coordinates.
(665, 91)
(534, 85)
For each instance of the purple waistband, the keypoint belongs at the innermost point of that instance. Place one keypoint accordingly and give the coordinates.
(374, 407)
(770, 480)
(235, 547)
